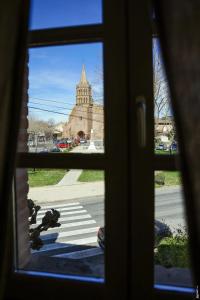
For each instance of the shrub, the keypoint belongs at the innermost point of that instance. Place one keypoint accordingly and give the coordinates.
(173, 251)
(160, 179)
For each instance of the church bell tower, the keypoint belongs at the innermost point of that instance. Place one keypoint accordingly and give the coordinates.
(83, 91)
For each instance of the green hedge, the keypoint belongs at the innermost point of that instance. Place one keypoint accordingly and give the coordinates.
(173, 252)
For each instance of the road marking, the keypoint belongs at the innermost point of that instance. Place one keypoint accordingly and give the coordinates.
(72, 218)
(73, 212)
(81, 254)
(68, 213)
(59, 205)
(55, 246)
(68, 233)
(62, 209)
(74, 224)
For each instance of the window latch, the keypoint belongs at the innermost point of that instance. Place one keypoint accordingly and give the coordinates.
(141, 120)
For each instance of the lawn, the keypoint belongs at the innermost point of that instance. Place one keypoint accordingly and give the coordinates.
(91, 175)
(42, 177)
(165, 152)
(171, 178)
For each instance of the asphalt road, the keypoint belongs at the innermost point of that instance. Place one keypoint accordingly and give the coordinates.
(168, 206)
(73, 246)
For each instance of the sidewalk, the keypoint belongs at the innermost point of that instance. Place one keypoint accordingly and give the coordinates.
(66, 192)
(78, 190)
(70, 177)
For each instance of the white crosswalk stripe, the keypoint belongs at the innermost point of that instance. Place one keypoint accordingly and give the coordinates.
(67, 213)
(42, 211)
(58, 206)
(71, 218)
(78, 228)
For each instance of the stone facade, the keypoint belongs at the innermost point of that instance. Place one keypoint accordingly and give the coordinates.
(86, 114)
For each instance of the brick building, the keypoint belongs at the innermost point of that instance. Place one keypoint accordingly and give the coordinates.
(86, 114)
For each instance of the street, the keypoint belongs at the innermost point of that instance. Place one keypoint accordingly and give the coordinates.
(72, 248)
(80, 219)
(169, 206)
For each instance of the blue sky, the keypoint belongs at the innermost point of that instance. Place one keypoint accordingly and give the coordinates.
(55, 71)
(59, 13)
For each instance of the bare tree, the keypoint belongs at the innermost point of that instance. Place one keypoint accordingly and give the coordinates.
(97, 84)
(162, 101)
(41, 127)
(160, 86)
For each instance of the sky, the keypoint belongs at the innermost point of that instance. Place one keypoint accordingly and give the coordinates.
(60, 13)
(54, 71)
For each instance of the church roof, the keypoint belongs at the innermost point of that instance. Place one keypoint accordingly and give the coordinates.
(83, 80)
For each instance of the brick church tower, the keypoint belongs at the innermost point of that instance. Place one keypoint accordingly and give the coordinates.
(86, 114)
(83, 91)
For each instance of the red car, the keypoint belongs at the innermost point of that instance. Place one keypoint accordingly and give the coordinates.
(63, 144)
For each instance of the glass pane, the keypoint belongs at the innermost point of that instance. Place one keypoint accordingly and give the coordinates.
(172, 263)
(60, 13)
(65, 211)
(165, 139)
(65, 100)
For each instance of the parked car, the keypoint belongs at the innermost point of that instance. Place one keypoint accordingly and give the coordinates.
(161, 230)
(63, 144)
(101, 237)
(83, 141)
(161, 147)
(55, 150)
(173, 146)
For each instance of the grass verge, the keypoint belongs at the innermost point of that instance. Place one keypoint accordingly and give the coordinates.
(165, 152)
(91, 175)
(171, 178)
(42, 177)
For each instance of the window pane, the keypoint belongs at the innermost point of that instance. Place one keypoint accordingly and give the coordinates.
(65, 234)
(164, 127)
(172, 263)
(65, 99)
(60, 13)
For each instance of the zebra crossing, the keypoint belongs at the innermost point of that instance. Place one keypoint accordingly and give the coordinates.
(76, 237)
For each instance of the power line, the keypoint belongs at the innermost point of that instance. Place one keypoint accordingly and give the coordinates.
(62, 107)
(50, 100)
(60, 113)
